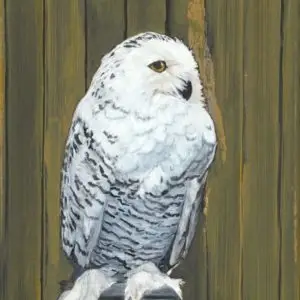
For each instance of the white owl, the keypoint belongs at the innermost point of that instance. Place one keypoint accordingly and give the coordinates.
(135, 167)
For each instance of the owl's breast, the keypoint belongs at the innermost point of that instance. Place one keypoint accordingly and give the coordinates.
(135, 142)
(173, 146)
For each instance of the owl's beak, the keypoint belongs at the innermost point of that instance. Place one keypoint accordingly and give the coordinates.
(187, 90)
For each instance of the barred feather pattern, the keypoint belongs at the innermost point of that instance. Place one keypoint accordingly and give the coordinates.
(132, 173)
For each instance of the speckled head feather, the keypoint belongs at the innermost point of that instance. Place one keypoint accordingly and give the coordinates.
(126, 67)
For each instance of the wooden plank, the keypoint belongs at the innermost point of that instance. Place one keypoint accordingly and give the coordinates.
(65, 82)
(145, 15)
(105, 29)
(290, 149)
(2, 148)
(223, 233)
(261, 234)
(176, 20)
(2, 117)
(25, 90)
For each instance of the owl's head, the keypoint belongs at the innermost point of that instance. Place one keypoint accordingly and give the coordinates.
(152, 64)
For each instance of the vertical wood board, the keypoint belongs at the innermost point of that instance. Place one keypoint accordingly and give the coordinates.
(2, 148)
(177, 19)
(224, 224)
(65, 85)
(105, 29)
(261, 150)
(290, 149)
(145, 15)
(24, 60)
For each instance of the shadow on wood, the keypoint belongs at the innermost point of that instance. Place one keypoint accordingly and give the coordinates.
(116, 292)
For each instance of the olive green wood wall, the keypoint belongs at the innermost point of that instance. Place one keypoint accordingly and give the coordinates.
(49, 50)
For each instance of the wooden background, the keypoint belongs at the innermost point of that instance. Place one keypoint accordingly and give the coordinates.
(49, 49)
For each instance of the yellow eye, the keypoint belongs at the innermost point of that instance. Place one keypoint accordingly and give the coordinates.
(158, 66)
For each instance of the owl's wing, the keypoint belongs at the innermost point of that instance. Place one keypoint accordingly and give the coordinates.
(195, 193)
(84, 193)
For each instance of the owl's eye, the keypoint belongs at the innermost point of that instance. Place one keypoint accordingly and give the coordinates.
(158, 66)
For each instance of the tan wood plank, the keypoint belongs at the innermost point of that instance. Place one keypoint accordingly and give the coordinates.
(176, 20)
(25, 90)
(261, 234)
(224, 224)
(290, 150)
(105, 29)
(2, 146)
(145, 15)
(65, 82)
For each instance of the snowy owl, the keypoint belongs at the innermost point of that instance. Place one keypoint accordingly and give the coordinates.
(136, 161)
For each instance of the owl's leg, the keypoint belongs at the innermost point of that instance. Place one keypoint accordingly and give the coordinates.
(147, 278)
(88, 286)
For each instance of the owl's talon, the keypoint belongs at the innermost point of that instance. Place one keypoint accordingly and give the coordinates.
(89, 286)
(148, 278)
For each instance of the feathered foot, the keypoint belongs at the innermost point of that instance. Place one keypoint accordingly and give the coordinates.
(88, 286)
(147, 278)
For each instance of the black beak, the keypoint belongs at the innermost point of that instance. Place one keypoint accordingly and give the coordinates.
(186, 92)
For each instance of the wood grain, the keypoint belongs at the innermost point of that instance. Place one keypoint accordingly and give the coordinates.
(261, 148)
(224, 195)
(177, 19)
(105, 29)
(65, 85)
(145, 15)
(290, 150)
(25, 89)
(2, 147)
